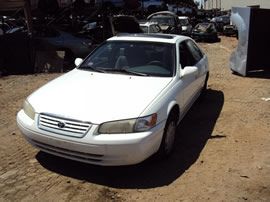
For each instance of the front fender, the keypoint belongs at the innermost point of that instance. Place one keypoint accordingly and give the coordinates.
(170, 106)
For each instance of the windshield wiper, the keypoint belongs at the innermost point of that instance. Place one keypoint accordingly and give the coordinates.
(127, 71)
(93, 69)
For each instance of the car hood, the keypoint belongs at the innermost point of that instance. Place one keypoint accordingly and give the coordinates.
(97, 97)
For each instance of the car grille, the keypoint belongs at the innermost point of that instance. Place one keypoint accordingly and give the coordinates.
(63, 126)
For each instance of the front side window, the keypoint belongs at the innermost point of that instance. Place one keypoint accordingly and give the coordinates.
(145, 58)
(190, 54)
(184, 55)
(194, 50)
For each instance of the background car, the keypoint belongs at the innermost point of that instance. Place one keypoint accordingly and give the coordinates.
(167, 20)
(110, 26)
(53, 38)
(150, 27)
(205, 32)
(230, 30)
(122, 104)
(186, 27)
(4, 28)
(220, 22)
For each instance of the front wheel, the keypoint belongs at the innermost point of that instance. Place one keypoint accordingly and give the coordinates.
(168, 140)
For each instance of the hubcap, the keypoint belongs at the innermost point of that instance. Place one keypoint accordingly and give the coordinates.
(170, 136)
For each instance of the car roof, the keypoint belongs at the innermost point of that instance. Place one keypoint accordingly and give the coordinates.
(163, 38)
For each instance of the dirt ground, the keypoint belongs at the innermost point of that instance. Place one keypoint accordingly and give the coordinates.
(222, 150)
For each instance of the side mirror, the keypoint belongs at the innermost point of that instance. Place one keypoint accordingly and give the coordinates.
(78, 61)
(190, 71)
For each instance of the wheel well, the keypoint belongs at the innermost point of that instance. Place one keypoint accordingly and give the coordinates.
(175, 112)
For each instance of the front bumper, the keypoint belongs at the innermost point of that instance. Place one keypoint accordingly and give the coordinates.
(93, 148)
(185, 32)
(206, 37)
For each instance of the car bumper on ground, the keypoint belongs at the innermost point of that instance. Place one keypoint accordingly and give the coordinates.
(93, 148)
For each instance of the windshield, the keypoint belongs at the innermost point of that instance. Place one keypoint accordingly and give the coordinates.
(129, 57)
(183, 21)
(163, 21)
(204, 26)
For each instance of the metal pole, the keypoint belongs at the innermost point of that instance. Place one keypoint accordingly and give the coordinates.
(28, 16)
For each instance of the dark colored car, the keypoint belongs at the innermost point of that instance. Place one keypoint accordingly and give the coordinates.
(4, 28)
(167, 20)
(150, 27)
(185, 25)
(124, 24)
(230, 30)
(205, 32)
(109, 26)
(220, 22)
(51, 38)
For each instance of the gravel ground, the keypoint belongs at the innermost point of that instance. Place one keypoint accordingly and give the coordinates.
(222, 149)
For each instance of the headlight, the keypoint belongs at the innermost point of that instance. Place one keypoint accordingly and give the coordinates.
(129, 126)
(29, 110)
(146, 123)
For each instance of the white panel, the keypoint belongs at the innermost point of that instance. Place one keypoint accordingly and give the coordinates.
(238, 59)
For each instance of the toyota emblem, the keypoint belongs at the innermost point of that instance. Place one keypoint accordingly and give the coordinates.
(61, 124)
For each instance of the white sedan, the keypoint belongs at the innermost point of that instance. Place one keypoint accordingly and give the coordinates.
(120, 105)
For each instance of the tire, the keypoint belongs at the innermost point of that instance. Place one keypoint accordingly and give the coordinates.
(168, 141)
(204, 89)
